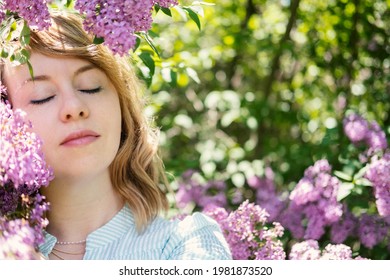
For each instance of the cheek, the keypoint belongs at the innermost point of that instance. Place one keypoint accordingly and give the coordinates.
(114, 112)
(117, 117)
(109, 116)
(42, 126)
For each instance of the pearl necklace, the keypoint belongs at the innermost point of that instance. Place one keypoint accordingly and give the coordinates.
(71, 242)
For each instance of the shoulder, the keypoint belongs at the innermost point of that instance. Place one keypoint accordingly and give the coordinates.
(197, 236)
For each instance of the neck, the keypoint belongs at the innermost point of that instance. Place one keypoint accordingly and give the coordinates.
(77, 208)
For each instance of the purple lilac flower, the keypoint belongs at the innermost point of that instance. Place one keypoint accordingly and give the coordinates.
(379, 174)
(316, 222)
(320, 166)
(292, 219)
(305, 250)
(336, 252)
(343, 228)
(266, 195)
(17, 240)
(376, 137)
(166, 3)
(217, 213)
(359, 130)
(310, 250)
(22, 162)
(117, 21)
(35, 12)
(23, 172)
(2, 14)
(355, 127)
(193, 190)
(372, 230)
(316, 197)
(248, 233)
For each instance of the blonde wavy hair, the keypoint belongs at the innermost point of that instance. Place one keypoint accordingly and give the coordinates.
(137, 171)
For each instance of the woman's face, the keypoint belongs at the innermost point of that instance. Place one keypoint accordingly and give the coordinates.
(75, 110)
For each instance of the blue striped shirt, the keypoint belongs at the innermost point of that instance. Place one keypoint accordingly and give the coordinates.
(197, 237)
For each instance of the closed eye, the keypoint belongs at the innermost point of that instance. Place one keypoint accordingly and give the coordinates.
(41, 101)
(91, 91)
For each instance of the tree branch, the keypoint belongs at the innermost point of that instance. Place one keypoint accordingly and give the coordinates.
(276, 61)
(232, 66)
(274, 69)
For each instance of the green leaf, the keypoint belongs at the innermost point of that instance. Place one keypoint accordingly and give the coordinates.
(30, 69)
(192, 74)
(181, 12)
(26, 54)
(173, 81)
(166, 11)
(198, 9)
(360, 173)
(19, 58)
(343, 175)
(363, 182)
(344, 190)
(98, 40)
(203, 3)
(137, 43)
(150, 42)
(13, 26)
(194, 16)
(169, 75)
(4, 53)
(25, 35)
(149, 62)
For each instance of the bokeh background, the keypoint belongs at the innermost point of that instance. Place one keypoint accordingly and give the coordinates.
(267, 83)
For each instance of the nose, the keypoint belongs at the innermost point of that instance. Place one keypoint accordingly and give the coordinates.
(73, 107)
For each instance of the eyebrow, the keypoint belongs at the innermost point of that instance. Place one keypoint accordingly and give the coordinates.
(46, 77)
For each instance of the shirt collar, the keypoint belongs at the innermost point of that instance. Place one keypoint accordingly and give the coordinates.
(119, 225)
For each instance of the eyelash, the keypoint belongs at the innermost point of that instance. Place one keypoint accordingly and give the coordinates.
(41, 101)
(91, 91)
(87, 91)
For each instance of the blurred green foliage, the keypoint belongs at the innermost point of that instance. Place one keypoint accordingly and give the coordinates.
(267, 83)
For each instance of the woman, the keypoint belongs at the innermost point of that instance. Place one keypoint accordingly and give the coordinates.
(107, 195)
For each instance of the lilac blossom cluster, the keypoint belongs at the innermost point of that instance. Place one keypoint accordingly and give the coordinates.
(311, 210)
(345, 227)
(23, 172)
(17, 240)
(266, 195)
(192, 189)
(35, 12)
(378, 173)
(313, 201)
(248, 232)
(118, 21)
(359, 130)
(22, 161)
(310, 250)
(372, 230)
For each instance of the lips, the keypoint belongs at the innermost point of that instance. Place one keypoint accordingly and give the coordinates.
(79, 138)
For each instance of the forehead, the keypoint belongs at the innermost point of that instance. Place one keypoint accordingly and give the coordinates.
(12, 74)
(43, 65)
(45, 68)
